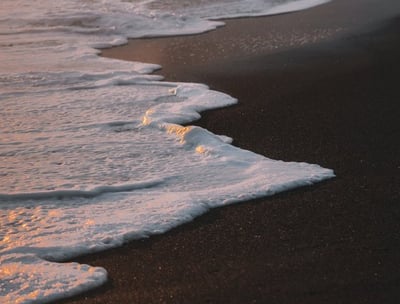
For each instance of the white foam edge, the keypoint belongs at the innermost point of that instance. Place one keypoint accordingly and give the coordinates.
(66, 279)
(197, 98)
(290, 7)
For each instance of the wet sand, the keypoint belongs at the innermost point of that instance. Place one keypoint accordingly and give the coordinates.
(328, 95)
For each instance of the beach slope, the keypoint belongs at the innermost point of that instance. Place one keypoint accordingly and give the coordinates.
(328, 95)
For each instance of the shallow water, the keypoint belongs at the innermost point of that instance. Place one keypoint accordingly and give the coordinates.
(92, 151)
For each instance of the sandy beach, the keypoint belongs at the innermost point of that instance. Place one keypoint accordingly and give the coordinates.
(319, 86)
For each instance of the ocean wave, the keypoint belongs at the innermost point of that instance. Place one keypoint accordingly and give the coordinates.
(70, 175)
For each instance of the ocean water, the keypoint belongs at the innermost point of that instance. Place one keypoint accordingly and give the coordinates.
(92, 150)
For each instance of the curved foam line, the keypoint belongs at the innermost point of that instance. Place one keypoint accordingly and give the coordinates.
(290, 7)
(97, 191)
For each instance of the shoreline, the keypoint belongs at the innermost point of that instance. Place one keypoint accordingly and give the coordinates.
(250, 37)
(335, 104)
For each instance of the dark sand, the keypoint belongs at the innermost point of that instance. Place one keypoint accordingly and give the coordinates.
(335, 103)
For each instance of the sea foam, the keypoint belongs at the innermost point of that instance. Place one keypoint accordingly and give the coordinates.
(93, 151)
